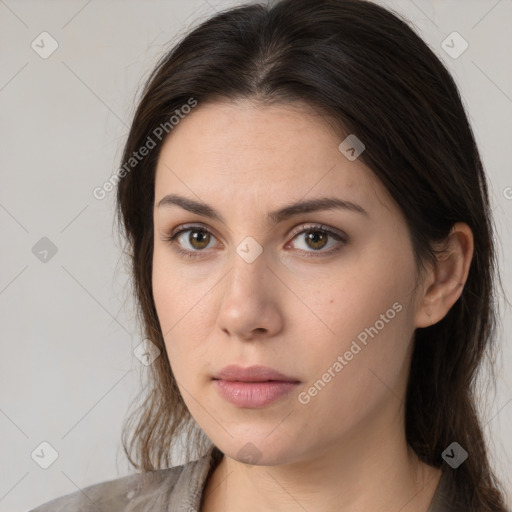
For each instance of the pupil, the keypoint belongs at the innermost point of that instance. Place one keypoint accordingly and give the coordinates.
(197, 235)
(314, 236)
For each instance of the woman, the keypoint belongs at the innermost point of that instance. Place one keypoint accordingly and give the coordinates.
(312, 252)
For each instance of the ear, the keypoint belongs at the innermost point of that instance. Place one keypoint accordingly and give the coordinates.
(444, 283)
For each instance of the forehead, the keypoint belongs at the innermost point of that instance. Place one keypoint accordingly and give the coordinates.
(273, 153)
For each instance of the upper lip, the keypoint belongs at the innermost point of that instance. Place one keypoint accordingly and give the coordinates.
(234, 372)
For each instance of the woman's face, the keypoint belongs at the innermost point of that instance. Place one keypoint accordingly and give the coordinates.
(334, 310)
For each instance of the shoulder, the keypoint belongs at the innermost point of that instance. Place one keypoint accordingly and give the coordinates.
(122, 494)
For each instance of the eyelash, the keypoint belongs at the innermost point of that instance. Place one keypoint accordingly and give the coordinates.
(303, 229)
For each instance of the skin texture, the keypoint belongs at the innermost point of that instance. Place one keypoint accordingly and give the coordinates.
(344, 449)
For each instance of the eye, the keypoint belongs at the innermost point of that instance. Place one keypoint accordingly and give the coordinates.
(198, 238)
(317, 238)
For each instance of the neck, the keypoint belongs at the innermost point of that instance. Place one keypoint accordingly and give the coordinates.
(372, 469)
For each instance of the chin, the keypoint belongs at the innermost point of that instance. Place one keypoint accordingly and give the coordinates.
(259, 450)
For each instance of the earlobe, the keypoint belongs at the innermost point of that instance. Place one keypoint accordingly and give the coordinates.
(445, 282)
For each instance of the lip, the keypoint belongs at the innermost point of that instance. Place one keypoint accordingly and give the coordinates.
(253, 387)
(234, 372)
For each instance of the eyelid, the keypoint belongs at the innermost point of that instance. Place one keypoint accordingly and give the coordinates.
(186, 227)
(295, 231)
(320, 227)
(340, 236)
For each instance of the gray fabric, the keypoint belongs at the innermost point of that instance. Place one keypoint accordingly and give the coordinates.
(177, 489)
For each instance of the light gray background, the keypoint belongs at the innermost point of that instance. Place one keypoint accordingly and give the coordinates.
(67, 370)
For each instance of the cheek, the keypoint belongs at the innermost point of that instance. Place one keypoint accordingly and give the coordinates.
(356, 296)
(366, 317)
(182, 307)
(353, 374)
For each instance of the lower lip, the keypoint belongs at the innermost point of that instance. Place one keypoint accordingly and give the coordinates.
(253, 394)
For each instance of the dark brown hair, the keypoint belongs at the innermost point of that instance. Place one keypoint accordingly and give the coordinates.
(366, 70)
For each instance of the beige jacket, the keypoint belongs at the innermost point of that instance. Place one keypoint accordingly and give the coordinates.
(177, 489)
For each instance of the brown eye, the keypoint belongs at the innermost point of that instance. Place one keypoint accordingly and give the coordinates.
(199, 239)
(192, 241)
(316, 239)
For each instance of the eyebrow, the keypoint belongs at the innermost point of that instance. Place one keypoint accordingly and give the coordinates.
(274, 217)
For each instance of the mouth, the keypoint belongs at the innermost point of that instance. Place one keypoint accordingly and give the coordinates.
(252, 374)
(253, 387)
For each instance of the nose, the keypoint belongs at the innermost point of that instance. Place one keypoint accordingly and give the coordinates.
(250, 305)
